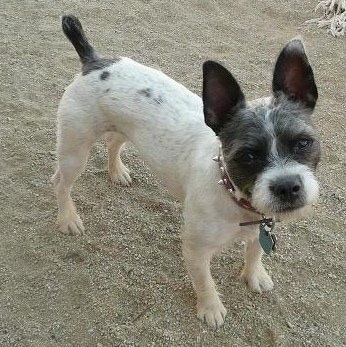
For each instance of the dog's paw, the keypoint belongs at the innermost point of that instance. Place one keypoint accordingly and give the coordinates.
(72, 225)
(257, 279)
(121, 175)
(212, 312)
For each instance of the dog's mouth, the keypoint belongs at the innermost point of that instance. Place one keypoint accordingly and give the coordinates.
(294, 213)
(275, 206)
(288, 208)
(278, 207)
(272, 205)
(283, 211)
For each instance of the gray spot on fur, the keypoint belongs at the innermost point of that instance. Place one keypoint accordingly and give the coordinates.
(150, 95)
(104, 75)
(145, 92)
(158, 100)
(98, 64)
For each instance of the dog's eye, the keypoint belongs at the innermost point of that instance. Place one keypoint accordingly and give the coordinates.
(303, 144)
(246, 158)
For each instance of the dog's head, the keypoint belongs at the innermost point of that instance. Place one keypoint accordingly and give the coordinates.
(270, 148)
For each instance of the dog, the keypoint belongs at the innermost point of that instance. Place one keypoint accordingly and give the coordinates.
(265, 152)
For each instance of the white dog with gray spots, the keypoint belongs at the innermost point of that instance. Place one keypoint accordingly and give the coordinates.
(265, 152)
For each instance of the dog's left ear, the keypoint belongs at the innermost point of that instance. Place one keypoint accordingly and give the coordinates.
(293, 75)
(222, 95)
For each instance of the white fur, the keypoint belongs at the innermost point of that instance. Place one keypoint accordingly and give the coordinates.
(175, 142)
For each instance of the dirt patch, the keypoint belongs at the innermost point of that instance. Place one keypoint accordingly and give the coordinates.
(124, 282)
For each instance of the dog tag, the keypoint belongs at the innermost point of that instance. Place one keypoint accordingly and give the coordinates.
(266, 238)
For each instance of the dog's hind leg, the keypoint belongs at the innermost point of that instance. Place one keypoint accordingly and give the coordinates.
(118, 172)
(73, 152)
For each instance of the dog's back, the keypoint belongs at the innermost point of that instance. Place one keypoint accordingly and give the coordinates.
(148, 107)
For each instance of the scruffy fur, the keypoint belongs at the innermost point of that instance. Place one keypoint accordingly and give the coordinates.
(269, 147)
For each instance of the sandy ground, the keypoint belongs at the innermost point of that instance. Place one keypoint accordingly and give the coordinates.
(124, 282)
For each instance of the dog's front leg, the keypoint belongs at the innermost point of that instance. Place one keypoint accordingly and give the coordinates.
(254, 274)
(197, 257)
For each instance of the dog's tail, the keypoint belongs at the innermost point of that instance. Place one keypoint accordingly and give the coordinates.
(73, 30)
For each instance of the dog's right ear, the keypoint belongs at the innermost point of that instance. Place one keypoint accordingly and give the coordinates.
(221, 95)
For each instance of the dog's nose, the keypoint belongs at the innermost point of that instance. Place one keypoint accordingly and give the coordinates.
(287, 189)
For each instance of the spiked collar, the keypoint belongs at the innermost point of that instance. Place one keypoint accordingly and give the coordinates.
(227, 182)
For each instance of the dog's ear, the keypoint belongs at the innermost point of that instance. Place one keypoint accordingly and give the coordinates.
(221, 95)
(293, 75)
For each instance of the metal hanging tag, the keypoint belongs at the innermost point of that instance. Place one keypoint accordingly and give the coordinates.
(266, 238)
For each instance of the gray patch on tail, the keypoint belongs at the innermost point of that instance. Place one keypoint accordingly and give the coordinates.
(98, 65)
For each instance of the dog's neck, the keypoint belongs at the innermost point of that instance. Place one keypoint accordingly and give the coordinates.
(227, 182)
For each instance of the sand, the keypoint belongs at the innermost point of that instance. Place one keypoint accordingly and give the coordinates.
(124, 283)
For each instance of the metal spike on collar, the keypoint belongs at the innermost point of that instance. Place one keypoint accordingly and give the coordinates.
(216, 158)
(221, 182)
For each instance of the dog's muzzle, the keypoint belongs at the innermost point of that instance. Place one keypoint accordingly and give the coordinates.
(285, 190)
